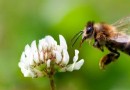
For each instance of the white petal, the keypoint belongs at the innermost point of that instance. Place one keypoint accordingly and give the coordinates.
(78, 64)
(59, 48)
(48, 63)
(62, 42)
(58, 57)
(49, 39)
(40, 45)
(51, 42)
(34, 51)
(20, 64)
(65, 59)
(24, 64)
(28, 73)
(41, 56)
(70, 67)
(33, 46)
(76, 56)
(45, 55)
(27, 50)
(23, 57)
(29, 59)
(36, 57)
(29, 55)
(43, 44)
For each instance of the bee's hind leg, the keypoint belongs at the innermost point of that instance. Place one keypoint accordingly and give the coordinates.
(107, 59)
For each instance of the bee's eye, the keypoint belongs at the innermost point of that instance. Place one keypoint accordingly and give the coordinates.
(89, 30)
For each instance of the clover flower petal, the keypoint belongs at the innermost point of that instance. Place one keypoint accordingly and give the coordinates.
(76, 65)
(62, 42)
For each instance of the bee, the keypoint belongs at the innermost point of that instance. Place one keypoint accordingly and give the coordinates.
(115, 37)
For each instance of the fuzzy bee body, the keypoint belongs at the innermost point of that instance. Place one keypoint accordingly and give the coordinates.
(109, 35)
(113, 37)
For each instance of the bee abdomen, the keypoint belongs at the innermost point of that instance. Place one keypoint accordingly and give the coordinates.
(122, 46)
(126, 48)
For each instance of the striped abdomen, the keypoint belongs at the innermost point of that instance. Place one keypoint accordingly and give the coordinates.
(122, 46)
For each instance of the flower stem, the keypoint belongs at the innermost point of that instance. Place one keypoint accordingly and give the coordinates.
(52, 83)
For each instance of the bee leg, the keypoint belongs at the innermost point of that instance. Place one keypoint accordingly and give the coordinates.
(107, 59)
(117, 54)
(97, 45)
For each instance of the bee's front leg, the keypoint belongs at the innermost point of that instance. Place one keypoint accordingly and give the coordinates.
(97, 45)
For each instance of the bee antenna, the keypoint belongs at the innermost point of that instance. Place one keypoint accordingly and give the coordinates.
(76, 37)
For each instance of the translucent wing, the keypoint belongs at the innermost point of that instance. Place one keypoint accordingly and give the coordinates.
(123, 25)
(123, 28)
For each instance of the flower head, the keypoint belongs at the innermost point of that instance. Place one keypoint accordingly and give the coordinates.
(47, 58)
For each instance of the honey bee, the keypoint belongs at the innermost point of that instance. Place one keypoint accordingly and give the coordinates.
(115, 37)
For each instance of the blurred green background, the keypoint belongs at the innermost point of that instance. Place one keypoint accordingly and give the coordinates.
(22, 21)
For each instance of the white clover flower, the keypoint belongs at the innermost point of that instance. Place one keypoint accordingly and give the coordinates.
(47, 58)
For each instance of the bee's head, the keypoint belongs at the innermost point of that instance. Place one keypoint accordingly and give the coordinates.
(89, 30)
(87, 33)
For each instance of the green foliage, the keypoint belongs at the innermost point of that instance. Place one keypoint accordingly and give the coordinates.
(22, 21)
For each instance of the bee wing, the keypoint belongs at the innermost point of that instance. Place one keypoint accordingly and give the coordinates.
(121, 38)
(123, 25)
(123, 28)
